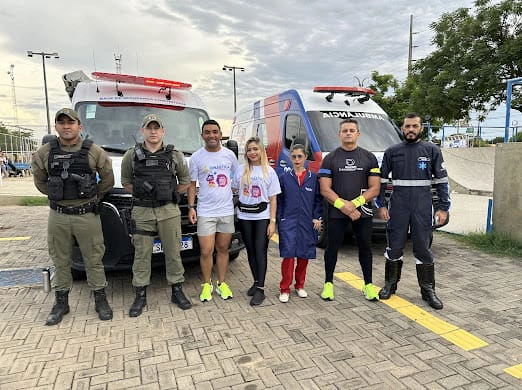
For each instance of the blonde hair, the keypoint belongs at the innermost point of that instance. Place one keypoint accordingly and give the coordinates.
(246, 179)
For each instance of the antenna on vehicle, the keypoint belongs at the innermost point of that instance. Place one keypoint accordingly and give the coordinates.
(94, 63)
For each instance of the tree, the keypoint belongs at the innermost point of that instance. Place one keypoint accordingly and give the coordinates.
(395, 98)
(476, 53)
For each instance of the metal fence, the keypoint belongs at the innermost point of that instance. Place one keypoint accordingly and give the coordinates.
(17, 148)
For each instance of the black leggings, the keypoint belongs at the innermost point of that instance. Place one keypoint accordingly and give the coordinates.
(256, 243)
(362, 229)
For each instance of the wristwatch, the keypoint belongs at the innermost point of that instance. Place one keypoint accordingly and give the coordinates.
(273, 220)
(191, 206)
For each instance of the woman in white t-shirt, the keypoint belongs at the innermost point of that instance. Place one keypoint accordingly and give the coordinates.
(258, 186)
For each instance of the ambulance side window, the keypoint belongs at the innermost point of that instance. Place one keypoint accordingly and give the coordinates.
(294, 130)
(295, 133)
(261, 133)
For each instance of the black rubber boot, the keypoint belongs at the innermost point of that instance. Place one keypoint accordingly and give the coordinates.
(426, 278)
(60, 308)
(139, 302)
(392, 275)
(102, 306)
(179, 298)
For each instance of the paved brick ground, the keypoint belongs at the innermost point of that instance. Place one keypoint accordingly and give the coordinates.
(305, 344)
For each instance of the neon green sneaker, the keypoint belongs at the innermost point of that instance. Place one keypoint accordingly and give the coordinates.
(328, 293)
(369, 292)
(223, 290)
(206, 292)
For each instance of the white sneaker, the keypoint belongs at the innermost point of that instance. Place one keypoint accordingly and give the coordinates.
(301, 292)
(284, 297)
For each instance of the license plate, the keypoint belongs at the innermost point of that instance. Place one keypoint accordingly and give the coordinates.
(186, 244)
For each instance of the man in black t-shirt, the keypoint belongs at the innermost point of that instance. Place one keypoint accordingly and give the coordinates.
(349, 179)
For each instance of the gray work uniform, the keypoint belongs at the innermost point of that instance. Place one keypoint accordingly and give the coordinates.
(164, 219)
(63, 228)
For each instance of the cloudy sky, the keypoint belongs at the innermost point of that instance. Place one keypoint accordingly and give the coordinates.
(281, 44)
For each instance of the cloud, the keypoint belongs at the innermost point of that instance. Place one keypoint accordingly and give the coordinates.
(281, 44)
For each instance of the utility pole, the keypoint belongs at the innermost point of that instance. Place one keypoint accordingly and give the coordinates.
(233, 69)
(15, 110)
(117, 60)
(410, 46)
(13, 97)
(44, 56)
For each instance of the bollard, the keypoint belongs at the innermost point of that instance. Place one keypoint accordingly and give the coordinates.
(46, 276)
(489, 222)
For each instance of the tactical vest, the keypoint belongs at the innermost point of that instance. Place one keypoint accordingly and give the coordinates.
(154, 174)
(70, 176)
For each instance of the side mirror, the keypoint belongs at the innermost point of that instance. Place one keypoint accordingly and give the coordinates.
(232, 145)
(47, 138)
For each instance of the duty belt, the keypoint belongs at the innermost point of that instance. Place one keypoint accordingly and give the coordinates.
(150, 203)
(72, 210)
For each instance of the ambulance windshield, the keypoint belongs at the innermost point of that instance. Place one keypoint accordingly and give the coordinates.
(113, 125)
(377, 132)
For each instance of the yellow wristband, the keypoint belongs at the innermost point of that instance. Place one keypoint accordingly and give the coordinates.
(359, 201)
(338, 204)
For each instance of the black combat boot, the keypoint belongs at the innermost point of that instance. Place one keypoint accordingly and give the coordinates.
(179, 298)
(392, 275)
(60, 308)
(102, 306)
(426, 278)
(139, 302)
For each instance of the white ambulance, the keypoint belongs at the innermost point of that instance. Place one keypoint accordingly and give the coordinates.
(111, 108)
(311, 117)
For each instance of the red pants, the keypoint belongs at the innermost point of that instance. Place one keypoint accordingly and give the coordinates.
(287, 272)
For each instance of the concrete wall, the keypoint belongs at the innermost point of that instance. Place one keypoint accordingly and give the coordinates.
(507, 192)
(470, 170)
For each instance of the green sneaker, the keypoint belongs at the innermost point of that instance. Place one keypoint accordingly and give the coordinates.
(206, 292)
(328, 294)
(369, 292)
(223, 290)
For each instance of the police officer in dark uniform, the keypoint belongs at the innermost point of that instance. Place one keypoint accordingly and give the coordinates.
(155, 173)
(413, 165)
(65, 169)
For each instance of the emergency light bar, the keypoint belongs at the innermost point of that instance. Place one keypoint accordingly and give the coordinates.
(138, 80)
(346, 90)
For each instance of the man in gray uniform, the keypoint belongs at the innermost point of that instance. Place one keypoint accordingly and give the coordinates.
(65, 170)
(154, 173)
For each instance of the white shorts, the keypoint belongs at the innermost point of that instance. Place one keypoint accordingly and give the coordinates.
(208, 226)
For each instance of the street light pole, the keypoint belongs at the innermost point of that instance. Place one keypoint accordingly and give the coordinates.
(233, 69)
(44, 56)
